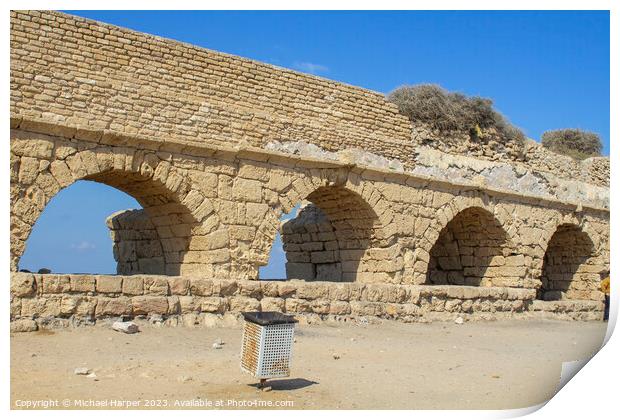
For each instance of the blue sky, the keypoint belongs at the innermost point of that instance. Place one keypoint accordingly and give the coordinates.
(544, 70)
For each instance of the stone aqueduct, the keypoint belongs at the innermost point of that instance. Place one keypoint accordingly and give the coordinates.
(183, 130)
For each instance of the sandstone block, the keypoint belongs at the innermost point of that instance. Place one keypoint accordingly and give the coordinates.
(376, 293)
(515, 260)
(156, 285)
(296, 270)
(362, 308)
(269, 288)
(287, 289)
(68, 304)
(179, 285)
(174, 305)
(297, 305)
(254, 172)
(312, 290)
(16, 307)
(339, 308)
(250, 288)
(272, 304)
(22, 285)
(255, 212)
(320, 306)
(329, 272)
(215, 240)
(145, 305)
(243, 304)
(82, 283)
(56, 284)
(133, 285)
(154, 265)
(339, 292)
(320, 257)
(190, 304)
(452, 305)
(242, 233)
(113, 307)
(227, 287)
(41, 307)
(201, 287)
(215, 256)
(109, 284)
(214, 305)
(245, 190)
(23, 325)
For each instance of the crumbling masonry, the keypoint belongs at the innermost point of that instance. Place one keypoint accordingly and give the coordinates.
(217, 148)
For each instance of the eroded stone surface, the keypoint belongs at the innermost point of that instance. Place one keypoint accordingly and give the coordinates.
(411, 303)
(221, 147)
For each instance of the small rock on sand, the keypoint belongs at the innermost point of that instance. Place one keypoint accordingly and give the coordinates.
(23, 325)
(81, 371)
(127, 327)
(458, 320)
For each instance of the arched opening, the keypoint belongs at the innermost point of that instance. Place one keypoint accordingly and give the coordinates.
(276, 266)
(70, 235)
(329, 237)
(472, 250)
(568, 269)
(152, 240)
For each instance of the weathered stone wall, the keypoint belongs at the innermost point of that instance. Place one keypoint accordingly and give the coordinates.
(86, 298)
(94, 102)
(218, 215)
(593, 170)
(486, 144)
(529, 154)
(79, 72)
(137, 246)
(94, 76)
(517, 177)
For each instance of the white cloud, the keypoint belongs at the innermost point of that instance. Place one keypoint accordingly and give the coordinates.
(312, 68)
(83, 246)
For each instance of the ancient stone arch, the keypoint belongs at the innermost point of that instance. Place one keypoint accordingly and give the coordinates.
(438, 241)
(472, 249)
(331, 236)
(572, 265)
(337, 235)
(217, 147)
(172, 208)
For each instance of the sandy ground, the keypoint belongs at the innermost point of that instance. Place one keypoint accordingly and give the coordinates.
(390, 365)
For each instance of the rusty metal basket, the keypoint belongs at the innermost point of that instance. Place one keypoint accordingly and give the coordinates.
(267, 344)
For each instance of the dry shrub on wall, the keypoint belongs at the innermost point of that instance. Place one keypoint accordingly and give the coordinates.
(573, 142)
(450, 111)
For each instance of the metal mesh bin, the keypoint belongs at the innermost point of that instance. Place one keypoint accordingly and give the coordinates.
(267, 344)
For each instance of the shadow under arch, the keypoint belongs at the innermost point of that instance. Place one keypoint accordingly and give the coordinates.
(472, 249)
(330, 236)
(567, 269)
